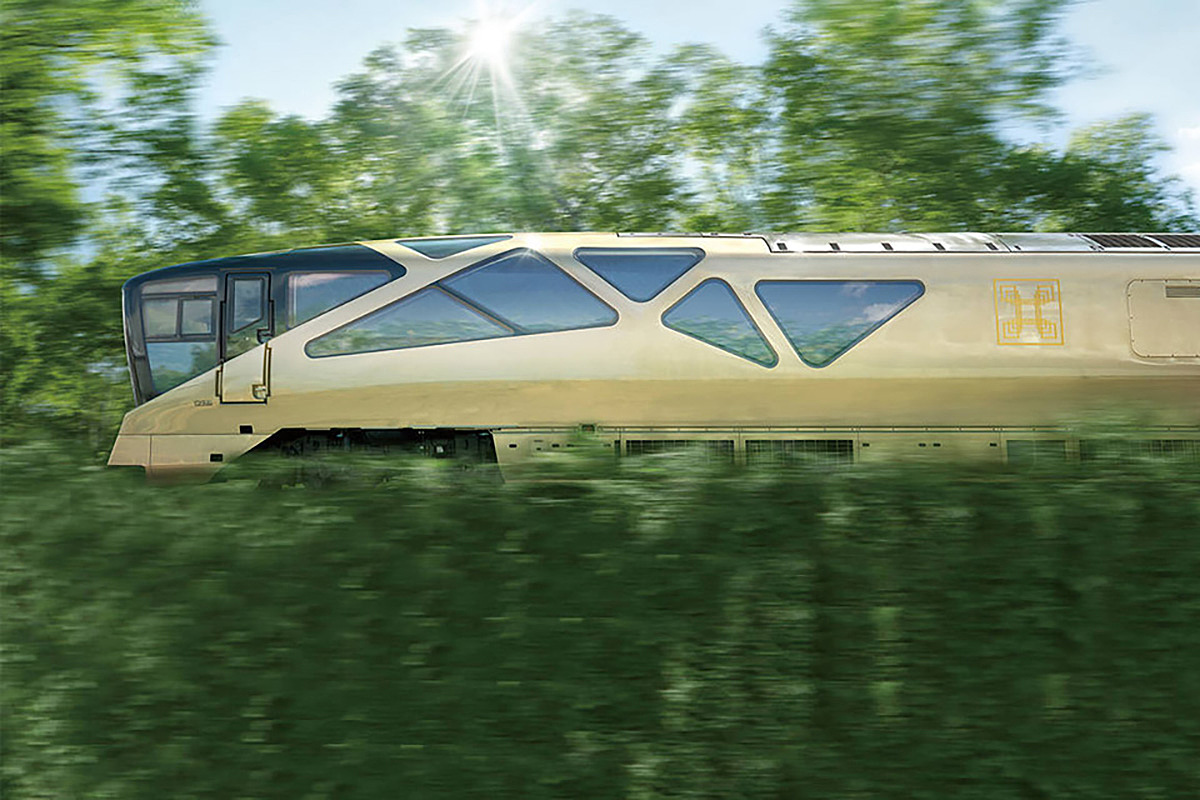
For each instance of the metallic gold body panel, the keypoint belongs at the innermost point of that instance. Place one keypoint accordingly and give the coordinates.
(938, 364)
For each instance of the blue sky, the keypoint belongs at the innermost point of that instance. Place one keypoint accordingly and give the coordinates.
(290, 52)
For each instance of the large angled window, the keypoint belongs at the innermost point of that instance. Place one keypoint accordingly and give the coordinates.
(640, 273)
(712, 313)
(515, 294)
(313, 293)
(824, 319)
(431, 316)
(533, 295)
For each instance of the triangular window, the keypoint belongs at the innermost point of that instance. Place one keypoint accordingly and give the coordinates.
(449, 246)
(528, 292)
(639, 273)
(431, 316)
(824, 319)
(712, 313)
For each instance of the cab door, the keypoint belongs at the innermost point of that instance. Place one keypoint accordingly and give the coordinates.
(247, 324)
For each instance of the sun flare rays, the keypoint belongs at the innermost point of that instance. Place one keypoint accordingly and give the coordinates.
(486, 56)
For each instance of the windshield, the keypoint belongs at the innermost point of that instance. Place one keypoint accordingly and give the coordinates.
(177, 324)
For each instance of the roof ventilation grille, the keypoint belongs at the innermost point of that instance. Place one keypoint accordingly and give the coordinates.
(1120, 240)
(1178, 239)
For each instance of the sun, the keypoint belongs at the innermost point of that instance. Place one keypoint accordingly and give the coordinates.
(487, 50)
(490, 39)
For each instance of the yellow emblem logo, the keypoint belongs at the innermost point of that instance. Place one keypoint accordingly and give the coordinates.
(1028, 312)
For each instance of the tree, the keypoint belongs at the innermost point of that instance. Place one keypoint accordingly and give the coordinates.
(1109, 182)
(56, 120)
(580, 134)
(95, 92)
(893, 114)
(869, 114)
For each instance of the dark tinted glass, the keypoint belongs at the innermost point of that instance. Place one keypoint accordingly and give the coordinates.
(159, 317)
(639, 273)
(313, 293)
(531, 293)
(197, 317)
(823, 319)
(172, 363)
(442, 248)
(712, 313)
(346, 256)
(170, 318)
(428, 317)
(247, 301)
(197, 284)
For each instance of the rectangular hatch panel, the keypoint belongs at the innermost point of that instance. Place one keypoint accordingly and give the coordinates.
(1164, 318)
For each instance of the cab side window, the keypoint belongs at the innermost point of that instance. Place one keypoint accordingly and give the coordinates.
(249, 302)
(248, 313)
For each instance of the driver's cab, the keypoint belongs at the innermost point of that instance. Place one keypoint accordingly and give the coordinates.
(187, 320)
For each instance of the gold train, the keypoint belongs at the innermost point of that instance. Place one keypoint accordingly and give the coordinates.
(758, 347)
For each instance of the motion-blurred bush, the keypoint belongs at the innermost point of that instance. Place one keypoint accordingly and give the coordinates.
(648, 628)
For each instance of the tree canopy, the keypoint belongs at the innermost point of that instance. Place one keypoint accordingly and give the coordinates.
(866, 115)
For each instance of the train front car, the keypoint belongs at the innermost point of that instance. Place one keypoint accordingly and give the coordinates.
(751, 347)
(199, 338)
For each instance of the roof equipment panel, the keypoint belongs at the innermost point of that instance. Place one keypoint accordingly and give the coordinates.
(1120, 240)
(1177, 240)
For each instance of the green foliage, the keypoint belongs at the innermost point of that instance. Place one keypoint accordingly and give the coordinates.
(78, 79)
(898, 116)
(871, 114)
(62, 357)
(646, 631)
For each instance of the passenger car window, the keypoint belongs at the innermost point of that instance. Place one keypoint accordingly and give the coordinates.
(431, 316)
(515, 294)
(533, 295)
(313, 293)
(824, 319)
(639, 273)
(712, 313)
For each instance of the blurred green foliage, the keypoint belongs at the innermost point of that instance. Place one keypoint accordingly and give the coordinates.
(868, 114)
(84, 84)
(652, 630)
(644, 628)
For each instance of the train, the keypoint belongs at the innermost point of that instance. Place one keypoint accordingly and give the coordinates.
(749, 348)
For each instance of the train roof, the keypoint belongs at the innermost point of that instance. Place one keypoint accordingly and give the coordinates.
(355, 255)
(966, 242)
